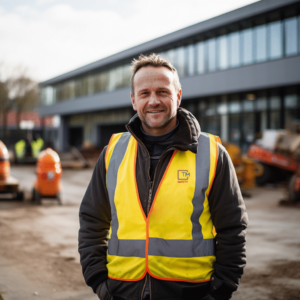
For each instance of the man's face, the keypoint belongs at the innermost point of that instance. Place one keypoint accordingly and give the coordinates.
(155, 99)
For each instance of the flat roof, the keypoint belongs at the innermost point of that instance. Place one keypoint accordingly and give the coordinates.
(224, 19)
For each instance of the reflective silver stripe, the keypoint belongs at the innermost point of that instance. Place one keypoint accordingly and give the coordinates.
(126, 247)
(181, 248)
(202, 181)
(111, 182)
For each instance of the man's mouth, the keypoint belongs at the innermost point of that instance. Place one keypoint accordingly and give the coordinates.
(154, 111)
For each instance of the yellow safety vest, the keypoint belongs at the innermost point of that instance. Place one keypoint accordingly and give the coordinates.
(176, 241)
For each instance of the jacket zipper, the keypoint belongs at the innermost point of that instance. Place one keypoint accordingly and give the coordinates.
(144, 287)
(150, 195)
(149, 199)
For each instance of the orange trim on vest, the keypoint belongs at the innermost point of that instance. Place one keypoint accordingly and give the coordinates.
(213, 179)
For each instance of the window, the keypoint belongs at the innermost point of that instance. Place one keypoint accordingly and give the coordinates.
(222, 108)
(171, 56)
(275, 39)
(191, 60)
(112, 79)
(291, 104)
(234, 52)
(291, 36)
(200, 58)
(180, 61)
(211, 53)
(248, 105)
(291, 100)
(222, 52)
(261, 102)
(126, 74)
(48, 95)
(247, 46)
(234, 107)
(275, 110)
(260, 43)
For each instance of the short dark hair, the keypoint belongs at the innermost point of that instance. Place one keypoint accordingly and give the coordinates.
(153, 60)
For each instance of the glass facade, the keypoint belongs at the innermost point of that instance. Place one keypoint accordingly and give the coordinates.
(260, 35)
(200, 58)
(191, 65)
(235, 49)
(291, 27)
(223, 52)
(242, 118)
(211, 52)
(275, 36)
(247, 46)
(256, 40)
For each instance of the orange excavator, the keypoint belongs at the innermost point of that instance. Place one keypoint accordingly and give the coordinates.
(9, 186)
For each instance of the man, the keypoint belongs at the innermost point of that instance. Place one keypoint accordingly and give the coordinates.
(163, 216)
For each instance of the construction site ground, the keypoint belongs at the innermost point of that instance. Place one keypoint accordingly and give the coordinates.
(38, 244)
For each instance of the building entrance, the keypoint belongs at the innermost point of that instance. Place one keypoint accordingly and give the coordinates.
(106, 131)
(76, 136)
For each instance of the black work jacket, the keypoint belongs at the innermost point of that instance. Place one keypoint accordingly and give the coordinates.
(227, 209)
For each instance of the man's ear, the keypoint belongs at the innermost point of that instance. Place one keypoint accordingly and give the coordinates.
(179, 93)
(133, 102)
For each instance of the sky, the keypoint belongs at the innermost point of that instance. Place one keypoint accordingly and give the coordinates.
(52, 37)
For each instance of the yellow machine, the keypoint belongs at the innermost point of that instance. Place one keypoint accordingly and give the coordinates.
(246, 168)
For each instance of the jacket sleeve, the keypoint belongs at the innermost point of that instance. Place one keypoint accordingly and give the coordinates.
(95, 219)
(230, 219)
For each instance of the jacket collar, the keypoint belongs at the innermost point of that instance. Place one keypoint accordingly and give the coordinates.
(186, 137)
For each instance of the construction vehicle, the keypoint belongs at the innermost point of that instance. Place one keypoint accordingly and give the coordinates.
(247, 170)
(279, 154)
(48, 183)
(9, 186)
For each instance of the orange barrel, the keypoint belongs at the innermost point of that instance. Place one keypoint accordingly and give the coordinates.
(4, 162)
(49, 173)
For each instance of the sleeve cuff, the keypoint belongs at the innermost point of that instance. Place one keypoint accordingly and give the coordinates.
(96, 280)
(219, 290)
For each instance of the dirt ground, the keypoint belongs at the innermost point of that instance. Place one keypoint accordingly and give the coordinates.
(39, 258)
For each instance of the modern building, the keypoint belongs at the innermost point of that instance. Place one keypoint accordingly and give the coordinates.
(240, 74)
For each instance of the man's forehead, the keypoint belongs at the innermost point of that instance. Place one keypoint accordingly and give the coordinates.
(150, 74)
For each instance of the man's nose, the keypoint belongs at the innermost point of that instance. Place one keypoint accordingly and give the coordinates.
(153, 99)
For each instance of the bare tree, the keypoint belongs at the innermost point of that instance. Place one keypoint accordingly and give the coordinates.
(18, 90)
(24, 93)
(6, 103)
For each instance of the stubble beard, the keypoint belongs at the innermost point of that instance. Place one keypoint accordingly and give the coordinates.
(164, 124)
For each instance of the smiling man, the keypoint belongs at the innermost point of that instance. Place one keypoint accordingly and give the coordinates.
(163, 216)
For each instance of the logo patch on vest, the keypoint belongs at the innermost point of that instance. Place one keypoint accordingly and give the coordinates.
(183, 176)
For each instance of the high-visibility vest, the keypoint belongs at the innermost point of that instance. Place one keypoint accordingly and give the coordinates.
(176, 241)
(20, 149)
(36, 147)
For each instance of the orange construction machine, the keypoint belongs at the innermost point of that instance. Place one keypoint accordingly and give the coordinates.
(279, 154)
(49, 171)
(9, 186)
